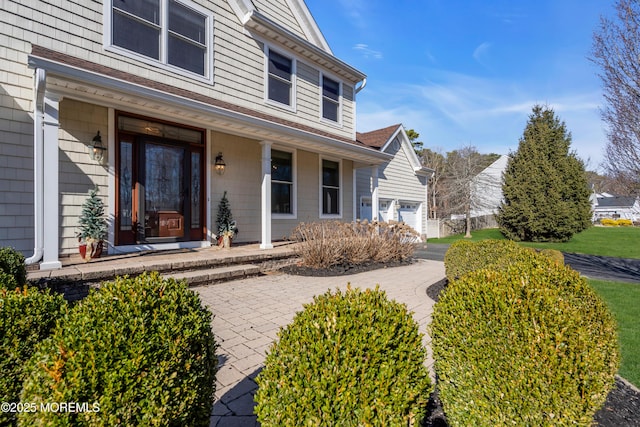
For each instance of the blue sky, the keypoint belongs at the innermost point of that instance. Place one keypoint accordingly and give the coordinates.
(469, 72)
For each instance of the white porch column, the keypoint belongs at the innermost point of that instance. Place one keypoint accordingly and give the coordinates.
(265, 214)
(375, 202)
(51, 201)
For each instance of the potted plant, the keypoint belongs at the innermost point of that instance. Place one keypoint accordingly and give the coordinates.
(227, 228)
(93, 227)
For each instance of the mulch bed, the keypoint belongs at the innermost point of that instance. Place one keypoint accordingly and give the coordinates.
(621, 409)
(342, 269)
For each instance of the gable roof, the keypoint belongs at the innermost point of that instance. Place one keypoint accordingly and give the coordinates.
(299, 10)
(616, 201)
(381, 139)
(377, 138)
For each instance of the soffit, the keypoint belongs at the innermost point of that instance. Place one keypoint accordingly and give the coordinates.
(269, 30)
(102, 90)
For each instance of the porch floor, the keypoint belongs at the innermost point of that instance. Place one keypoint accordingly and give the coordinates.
(171, 262)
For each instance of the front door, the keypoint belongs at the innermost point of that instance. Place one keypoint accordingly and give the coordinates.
(160, 183)
(163, 207)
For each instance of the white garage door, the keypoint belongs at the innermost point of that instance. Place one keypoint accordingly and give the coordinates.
(409, 214)
(384, 211)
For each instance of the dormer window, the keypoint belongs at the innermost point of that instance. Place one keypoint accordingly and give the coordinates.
(280, 78)
(174, 33)
(330, 99)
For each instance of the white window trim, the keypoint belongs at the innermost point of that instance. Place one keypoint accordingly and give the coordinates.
(294, 188)
(339, 123)
(294, 78)
(162, 62)
(340, 189)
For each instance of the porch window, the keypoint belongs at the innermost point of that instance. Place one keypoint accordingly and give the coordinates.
(330, 99)
(330, 192)
(172, 32)
(280, 72)
(282, 183)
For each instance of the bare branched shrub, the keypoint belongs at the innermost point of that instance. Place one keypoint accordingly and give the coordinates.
(327, 243)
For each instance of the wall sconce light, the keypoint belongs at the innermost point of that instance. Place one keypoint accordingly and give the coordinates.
(220, 165)
(96, 149)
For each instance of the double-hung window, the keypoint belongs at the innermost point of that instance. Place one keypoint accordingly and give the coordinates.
(175, 33)
(330, 99)
(330, 191)
(282, 183)
(280, 78)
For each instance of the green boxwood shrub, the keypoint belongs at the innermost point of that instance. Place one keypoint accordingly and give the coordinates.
(464, 256)
(531, 344)
(141, 349)
(348, 359)
(12, 265)
(554, 255)
(27, 316)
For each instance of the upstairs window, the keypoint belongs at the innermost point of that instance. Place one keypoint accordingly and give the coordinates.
(330, 99)
(169, 31)
(280, 74)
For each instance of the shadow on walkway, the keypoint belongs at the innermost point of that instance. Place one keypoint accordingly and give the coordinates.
(236, 406)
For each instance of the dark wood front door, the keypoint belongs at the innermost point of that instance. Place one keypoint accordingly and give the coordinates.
(160, 190)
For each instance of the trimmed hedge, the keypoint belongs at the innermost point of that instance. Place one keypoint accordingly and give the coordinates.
(616, 222)
(553, 254)
(531, 344)
(27, 316)
(12, 267)
(348, 359)
(141, 349)
(464, 256)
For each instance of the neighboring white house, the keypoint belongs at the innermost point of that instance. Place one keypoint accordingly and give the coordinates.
(176, 89)
(607, 205)
(486, 190)
(397, 189)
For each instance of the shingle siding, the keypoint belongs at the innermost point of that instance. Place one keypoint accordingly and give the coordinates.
(279, 12)
(238, 78)
(75, 28)
(396, 181)
(79, 122)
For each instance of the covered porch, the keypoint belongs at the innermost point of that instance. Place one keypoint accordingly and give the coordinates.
(75, 98)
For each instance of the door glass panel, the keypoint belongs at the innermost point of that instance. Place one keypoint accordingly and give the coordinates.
(126, 186)
(195, 190)
(164, 184)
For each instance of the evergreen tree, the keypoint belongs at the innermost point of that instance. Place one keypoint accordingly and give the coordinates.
(93, 225)
(545, 189)
(224, 219)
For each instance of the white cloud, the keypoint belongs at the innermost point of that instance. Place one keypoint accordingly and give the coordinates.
(454, 110)
(356, 10)
(480, 53)
(367, 52)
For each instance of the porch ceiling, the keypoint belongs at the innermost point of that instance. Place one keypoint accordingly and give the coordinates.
(86, 85)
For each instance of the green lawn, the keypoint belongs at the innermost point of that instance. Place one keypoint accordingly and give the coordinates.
(621, 242)
(622, 299)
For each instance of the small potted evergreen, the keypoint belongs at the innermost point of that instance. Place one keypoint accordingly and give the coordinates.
(227, 228)
(93, 227)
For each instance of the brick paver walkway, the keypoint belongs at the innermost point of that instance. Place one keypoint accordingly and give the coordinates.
(249, 313)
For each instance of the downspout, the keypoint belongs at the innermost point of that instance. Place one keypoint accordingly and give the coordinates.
(40, 77)
(362, 86)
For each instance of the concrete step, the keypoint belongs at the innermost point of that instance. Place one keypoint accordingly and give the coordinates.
(218, 274)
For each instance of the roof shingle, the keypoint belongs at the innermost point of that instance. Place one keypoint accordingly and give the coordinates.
(377, 138)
